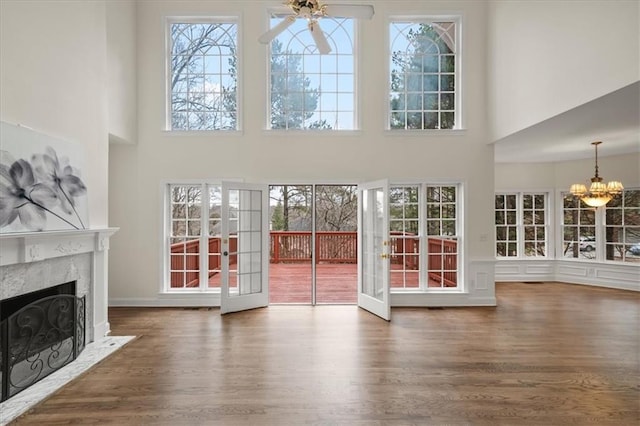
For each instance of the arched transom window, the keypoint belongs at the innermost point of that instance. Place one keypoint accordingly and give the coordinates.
(423, 75)
(309, 90)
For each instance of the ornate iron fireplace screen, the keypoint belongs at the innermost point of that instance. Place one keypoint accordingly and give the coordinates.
(40, 338)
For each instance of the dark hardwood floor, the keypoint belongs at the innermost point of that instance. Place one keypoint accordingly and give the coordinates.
(549, 354)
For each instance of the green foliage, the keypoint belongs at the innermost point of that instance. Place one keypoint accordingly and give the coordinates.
(277, 218)
(293, 100)
(423, 82)
(197, 104)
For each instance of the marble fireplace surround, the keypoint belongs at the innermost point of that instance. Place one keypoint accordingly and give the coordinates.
(38, 260)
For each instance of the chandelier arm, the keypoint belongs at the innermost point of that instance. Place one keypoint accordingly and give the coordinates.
(596, 160)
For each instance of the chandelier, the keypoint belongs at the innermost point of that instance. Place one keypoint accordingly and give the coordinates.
(599, 193)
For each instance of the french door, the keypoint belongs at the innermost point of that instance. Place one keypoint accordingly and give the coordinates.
(244, 246)
(373, 248)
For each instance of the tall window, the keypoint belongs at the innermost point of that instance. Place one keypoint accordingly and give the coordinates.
(442, 235)
(507, 225)
(622, 232)
(309, 90)
(521, 225)
(193, 237)
(423, 222)
(404, 227)
(578, 229)
(423, 74)
(203, 75)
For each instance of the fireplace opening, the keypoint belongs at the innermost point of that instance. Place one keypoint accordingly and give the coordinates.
(40, 332)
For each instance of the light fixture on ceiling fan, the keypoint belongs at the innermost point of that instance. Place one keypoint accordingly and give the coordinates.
(312, 11)
(599, 193)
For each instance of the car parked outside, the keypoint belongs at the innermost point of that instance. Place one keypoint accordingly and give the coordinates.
(634, 249)
(587, 243)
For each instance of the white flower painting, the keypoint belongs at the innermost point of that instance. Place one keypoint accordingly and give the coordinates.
(41, 188)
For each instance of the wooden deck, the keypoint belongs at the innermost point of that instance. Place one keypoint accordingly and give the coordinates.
(335, 283)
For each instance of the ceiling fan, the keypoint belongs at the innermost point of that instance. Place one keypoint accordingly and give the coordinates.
(312, 11)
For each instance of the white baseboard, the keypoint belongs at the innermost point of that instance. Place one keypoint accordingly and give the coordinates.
(165, 302)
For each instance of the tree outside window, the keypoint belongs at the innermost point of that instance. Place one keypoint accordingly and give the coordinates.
(423, 75)
(622, 231)
(203, 81)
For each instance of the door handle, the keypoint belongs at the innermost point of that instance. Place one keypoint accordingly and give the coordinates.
(384, 256)
(225, 253)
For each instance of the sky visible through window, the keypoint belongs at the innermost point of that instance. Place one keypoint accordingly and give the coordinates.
(328, 90)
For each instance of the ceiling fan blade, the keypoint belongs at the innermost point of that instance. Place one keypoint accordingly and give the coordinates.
(358, 11)
(275, 31)
(318, 37)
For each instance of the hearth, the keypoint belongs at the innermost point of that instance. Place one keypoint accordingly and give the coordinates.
(40, 332)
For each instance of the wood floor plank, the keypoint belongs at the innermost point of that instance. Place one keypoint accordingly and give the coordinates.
(549, 354)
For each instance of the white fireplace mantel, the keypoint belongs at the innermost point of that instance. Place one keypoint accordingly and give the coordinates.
(31, 247)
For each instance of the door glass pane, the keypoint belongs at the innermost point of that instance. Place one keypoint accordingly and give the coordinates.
(215, 230)
(245, 268)
(373, 239)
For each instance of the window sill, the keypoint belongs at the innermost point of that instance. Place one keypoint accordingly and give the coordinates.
(600, 262)
(430, 290)
(520, 259)
(203, 133)
(191, 292)
(311, 132)
(426, 132)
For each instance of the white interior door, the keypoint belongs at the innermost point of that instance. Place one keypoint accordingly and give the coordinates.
(373, 248)
(245, 247)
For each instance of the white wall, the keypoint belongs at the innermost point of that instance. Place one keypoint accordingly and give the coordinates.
(548, 57)
(121, 70)
(560, 175)
(258, 155)
(623, 168)
(53, 79)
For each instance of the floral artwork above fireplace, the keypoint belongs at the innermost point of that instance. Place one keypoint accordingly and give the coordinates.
(41, 188)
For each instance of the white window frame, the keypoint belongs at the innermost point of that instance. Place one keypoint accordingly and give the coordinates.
(598, 225)
(626, 244)
(274, 13)
(423, 237)
(168, 127)
(165, 273)
(520, 225)
(600, 234)
(459, 123)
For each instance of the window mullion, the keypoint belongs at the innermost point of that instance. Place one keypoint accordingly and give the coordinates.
(600, 234)
(423, 237)
(521, 235)
(204, 237)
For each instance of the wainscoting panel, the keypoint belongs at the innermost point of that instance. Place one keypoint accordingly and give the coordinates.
(524, 270)
(478, 289)
(622, 276)
(612, 275)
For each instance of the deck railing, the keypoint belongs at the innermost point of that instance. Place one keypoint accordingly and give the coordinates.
(185, 260)
(331, 247)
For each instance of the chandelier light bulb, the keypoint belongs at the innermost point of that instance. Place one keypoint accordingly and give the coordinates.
(599, 193)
